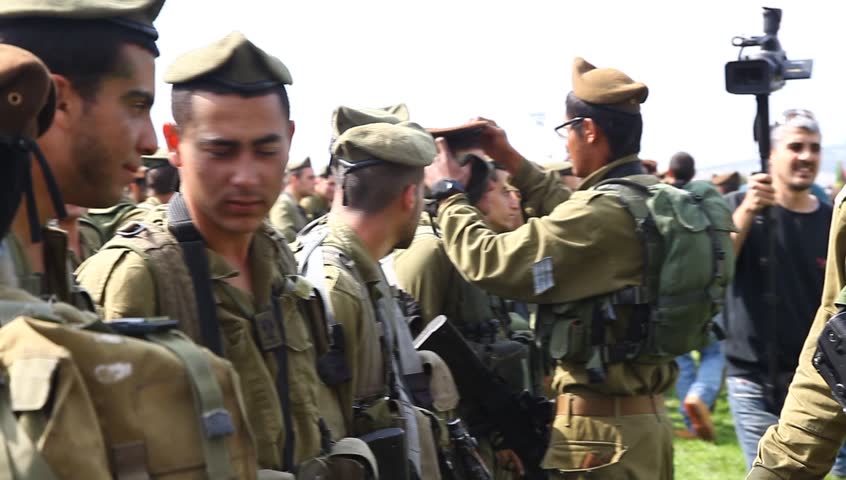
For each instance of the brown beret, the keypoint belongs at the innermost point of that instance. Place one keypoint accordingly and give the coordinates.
(232, 63)
(468, 130)
(344, 118)
(27, 94)
(608, 87)
(136, 15)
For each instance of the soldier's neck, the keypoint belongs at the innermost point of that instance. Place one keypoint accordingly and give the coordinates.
(799, 201)
(293, 192)
(374, 231)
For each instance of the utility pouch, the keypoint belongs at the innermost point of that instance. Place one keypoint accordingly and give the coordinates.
(332, 367)
(830, 357)
(389, 447)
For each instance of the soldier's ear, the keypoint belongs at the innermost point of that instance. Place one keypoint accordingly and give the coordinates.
(589, 130)
(171, 134)
(409, 197)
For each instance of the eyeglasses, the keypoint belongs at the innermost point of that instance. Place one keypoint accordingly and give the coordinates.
(564, 129)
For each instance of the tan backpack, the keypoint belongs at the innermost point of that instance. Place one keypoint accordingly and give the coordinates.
(85, 402)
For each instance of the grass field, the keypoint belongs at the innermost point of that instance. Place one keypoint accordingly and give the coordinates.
(698, 460)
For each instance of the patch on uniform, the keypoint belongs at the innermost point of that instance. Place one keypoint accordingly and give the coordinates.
(542, 275)
(267, 330)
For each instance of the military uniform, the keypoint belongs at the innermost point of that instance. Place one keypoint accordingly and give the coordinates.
(287, 215)
(314, 206)
(812, 425)
(585, 247)
(379, 352)
(142, 272)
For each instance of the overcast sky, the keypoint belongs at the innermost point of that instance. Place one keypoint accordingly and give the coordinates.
(450, 60)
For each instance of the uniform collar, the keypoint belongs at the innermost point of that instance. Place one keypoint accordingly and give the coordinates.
(611, 171)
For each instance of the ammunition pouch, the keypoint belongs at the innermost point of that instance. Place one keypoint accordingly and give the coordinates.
(830, 357)
(332, 366)
(389, 447)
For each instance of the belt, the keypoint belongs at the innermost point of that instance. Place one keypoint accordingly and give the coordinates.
(597, 405)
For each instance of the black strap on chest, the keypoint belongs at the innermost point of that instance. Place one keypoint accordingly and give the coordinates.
(282, 385)
(194, 250)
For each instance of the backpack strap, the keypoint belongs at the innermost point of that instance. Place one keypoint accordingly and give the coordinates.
(194, 250)
(216, 421)
(20, 458)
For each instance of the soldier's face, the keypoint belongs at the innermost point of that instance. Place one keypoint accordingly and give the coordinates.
(304, 182)
(500, 208)
(109, 134)
(795, 160)
(232, 159)
(325, 187)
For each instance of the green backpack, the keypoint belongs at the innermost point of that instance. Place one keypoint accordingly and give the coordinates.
(688, 263)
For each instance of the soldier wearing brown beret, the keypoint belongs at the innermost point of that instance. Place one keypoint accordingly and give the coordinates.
(611, 420)
(101, 55)
(237, 291)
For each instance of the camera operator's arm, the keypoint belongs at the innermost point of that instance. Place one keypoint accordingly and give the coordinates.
(760, 194)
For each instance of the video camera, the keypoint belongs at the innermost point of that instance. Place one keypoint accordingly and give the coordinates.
(767, 69)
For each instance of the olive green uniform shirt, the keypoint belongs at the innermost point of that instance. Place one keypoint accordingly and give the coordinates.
(589, 241)
(812, 426)
(315, 206)
(138, 213)
(288, 216)
(122, 282)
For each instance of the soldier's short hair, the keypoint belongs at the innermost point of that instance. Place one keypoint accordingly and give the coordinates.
(83, 51)
(372, 189)
(163, 180)
(682, 166)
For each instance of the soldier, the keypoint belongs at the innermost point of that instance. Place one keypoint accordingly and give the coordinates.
(210, 260)
(102, 61)
(287, 215)
(583, 261)
(162, 180)
(380, 161)
(317, 205)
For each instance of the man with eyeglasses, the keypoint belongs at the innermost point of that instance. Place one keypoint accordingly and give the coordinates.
(762, 352)
(611, 421)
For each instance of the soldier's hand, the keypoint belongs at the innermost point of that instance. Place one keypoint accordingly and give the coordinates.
(760, 193)
(510, 461)
(496, 145)
(445, 166)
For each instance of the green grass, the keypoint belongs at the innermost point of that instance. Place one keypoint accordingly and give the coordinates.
(698, 460)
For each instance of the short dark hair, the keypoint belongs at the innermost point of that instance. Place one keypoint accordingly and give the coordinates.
(622, 129)
(373, 188)
(682, 166)
(163, 180)
(182, 110)
(83, 51)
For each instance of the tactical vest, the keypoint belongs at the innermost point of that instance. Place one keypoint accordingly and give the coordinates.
(688, 260)
(84, 402)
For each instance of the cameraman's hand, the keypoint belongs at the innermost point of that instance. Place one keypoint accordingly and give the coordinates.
(495, 143)
(445, 166)
(510, 461)
(759, 194)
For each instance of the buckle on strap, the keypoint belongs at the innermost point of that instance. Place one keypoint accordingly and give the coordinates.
(218, 423)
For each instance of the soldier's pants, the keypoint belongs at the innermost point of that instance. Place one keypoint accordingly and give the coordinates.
(625, 447)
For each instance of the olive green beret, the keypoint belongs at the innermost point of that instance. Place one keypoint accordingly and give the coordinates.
(233, 63)
(137, 15)
(326, 171)
(156, 160)
(344, 118)
(27, 95)
(403, 143)
(294, 166)
(608, 87)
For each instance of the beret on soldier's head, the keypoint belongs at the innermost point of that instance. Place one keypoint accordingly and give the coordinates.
(403, 143)
(231, 64)
(296, 166)
(344, 118)
(135, 15)
(156, 160)
(607, 87)
(467, 131)
(27, 94)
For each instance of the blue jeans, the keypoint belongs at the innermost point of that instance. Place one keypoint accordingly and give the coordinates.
(751, 420)
(704, 382)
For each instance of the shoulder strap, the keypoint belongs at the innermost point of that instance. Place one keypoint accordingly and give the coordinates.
(194, 250)
(20, 458)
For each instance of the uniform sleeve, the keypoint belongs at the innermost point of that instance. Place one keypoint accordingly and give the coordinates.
(423, 271)
(346, 306)
(281, 217)
(586, 246)
(812, 425)
(541, 192)
(120, 283)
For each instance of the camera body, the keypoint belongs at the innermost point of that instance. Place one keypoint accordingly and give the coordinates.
(767, 69)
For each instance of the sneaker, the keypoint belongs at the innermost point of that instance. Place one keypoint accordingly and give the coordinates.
(700, 418)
